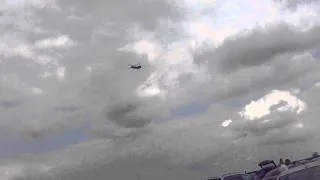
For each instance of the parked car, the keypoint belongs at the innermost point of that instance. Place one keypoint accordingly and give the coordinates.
(308, 171)
(304, 169)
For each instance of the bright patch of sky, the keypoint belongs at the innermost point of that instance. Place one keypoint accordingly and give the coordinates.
(55, 42)
(33, 3)
(226, 123)
(61, 72)
(263, 106)
(299, 125)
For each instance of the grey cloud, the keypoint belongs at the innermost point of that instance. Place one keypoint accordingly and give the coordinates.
(125, 116)
(99, 29)
(115, 17)
(260, 128)
(279, 130)
(260, 46)
(188, 148)
(102, 22)
(280, 139)
(113, 86)
(110, 78)
(289, 135)
(242, 155)
(185, 148)
(294, 4)
(280, 104)
(67, 108)
(133, 167)
(310, 118)
(310, 95)
(33, 120)
(8, 104)
(145, 12)
(280, 73)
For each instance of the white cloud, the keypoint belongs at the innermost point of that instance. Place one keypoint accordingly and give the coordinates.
(62, 41)
(299, 125)
(12, 171)
(35, 3)
(61, 72)
(37, 90)
(226, 123)
(152, 50)
(263, 106)
(10, 47)
(45, 60)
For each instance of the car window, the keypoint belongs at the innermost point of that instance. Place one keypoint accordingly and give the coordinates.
(247, 176)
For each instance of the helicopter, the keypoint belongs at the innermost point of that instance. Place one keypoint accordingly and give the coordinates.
(135, 66)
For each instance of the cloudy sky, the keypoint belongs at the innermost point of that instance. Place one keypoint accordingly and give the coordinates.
(224, 85)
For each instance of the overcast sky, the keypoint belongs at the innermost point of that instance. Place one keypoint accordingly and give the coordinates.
(224, 85)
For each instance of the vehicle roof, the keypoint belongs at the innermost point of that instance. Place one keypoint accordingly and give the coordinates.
(227, 174)
(300, 167)
(301, 164)
(233, 173)
(214, 178)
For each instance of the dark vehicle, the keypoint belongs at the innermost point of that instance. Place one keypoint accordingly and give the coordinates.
(267, 164)
(304, 169)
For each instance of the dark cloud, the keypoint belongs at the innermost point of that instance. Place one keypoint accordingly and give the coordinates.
(8, 104)
(280, 139)
(281, 73)
(127, 116)
(260, 46)
(260, 127)
(238, 156)
(188, 149)
(280, 104)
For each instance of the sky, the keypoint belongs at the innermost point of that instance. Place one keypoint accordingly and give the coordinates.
(224, 85)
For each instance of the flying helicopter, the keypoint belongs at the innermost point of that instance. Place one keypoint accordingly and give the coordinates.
(136, 66)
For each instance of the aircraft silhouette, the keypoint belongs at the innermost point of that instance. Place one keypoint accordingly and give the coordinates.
(135, 66)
